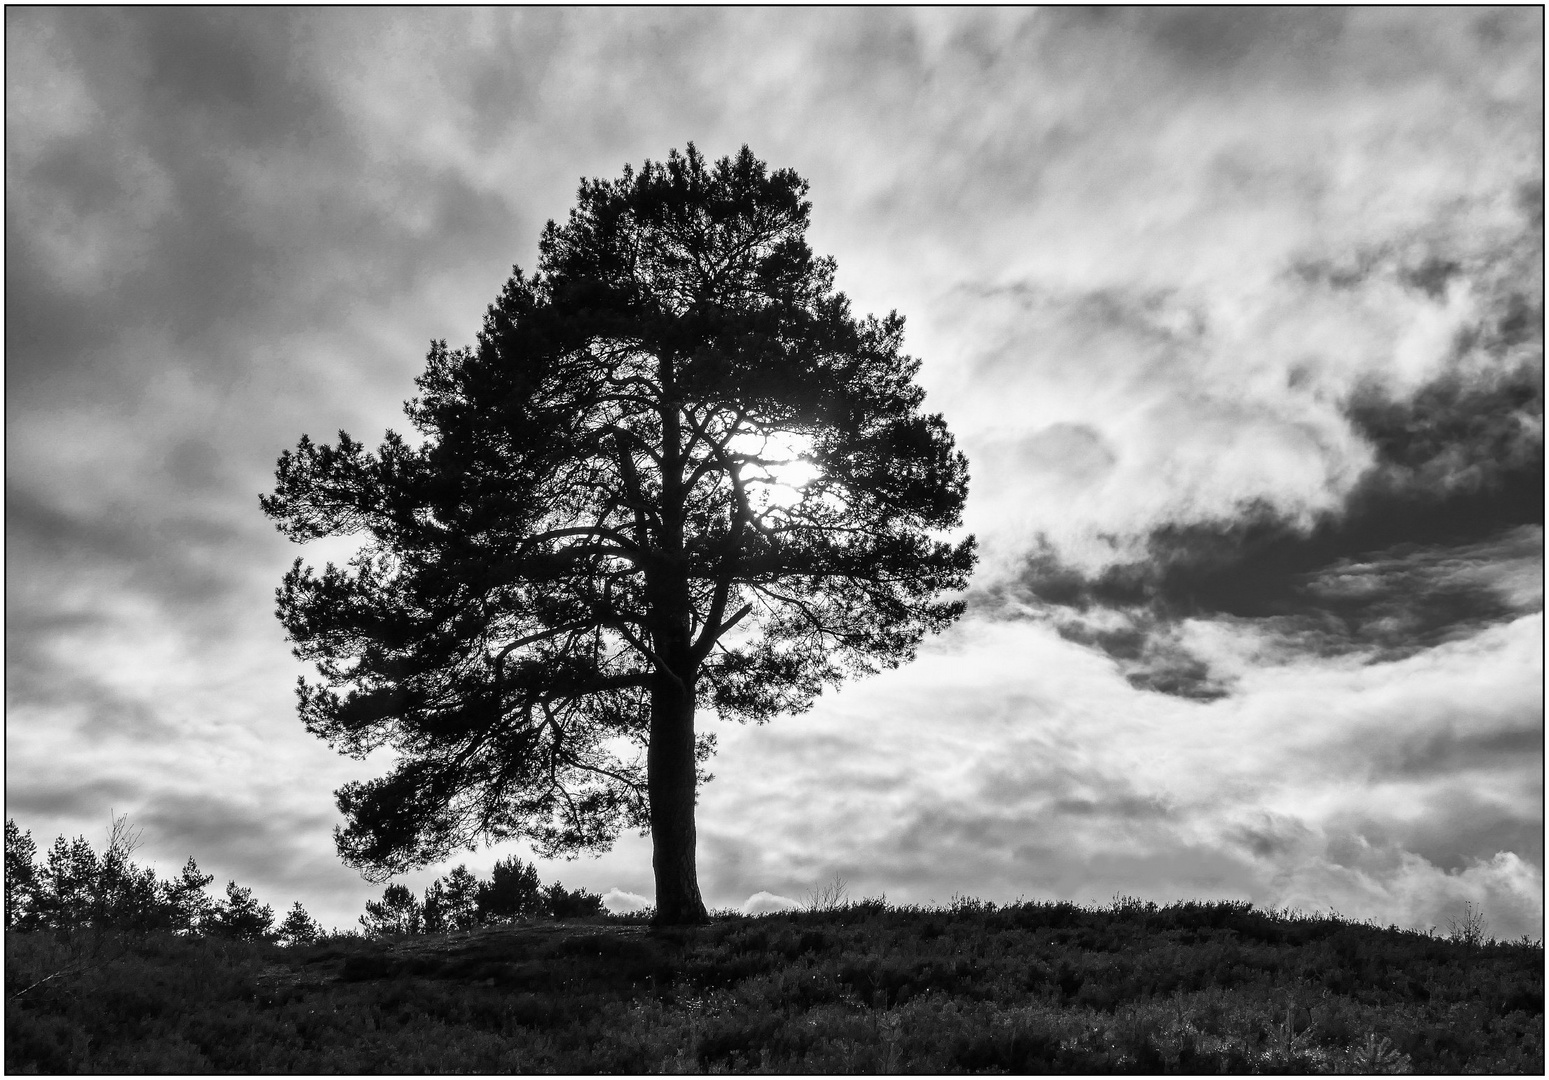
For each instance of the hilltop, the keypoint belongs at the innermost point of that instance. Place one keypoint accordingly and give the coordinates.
(864, 987)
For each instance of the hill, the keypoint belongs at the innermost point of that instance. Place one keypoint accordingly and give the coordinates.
(1030, 987)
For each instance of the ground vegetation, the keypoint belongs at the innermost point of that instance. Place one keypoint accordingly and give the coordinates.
(855, 987)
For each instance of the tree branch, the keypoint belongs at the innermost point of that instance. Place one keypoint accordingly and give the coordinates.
(633, 785)
(650, 654)
(709, 636)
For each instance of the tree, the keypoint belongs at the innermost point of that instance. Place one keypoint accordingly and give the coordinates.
(512, 892)
(673, 470)
(398, 912)
(66, 897)
(241, 916)
(21, 877)
(433, 911)
(187, 905)
(299, 928)
(562, 903)
(126, 896)
(78, 889)
(460, 899)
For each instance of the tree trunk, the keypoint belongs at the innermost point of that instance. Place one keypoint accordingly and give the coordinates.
(669, 760)
(670, 783)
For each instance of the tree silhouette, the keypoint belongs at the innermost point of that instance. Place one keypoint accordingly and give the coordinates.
(512, 892)
(460, 897)
(21, 876)
(241, 916)
(188, 906)
(78, 889)
(299, 928)
(674, 469)
(398, 912)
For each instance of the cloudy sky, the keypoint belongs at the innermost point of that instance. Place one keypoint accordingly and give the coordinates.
(1238, 316)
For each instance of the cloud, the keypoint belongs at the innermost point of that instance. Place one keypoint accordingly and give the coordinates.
(181, 561)
(1184, 330)
(1038, 776)
(231, 831)
(28, 800)
(620, 902)
(1419, 895)
(1239, 310)
(1437, 534)
(1212, 43)
(197, 200)
(762, 902)
(1381, 605)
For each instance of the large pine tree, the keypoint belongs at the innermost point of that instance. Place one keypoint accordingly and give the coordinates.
(674, 469)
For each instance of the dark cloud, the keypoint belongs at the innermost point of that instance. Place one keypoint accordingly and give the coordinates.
(182, 561)
(29, 797)
(86, 588)
(1118, 807)
(172, 102)
(1444, 753)
(1146, 647)
(1272, 836)
(42, 680)
(1438, 538)
(1216, 40)
(234, 832)
(194, 465)
(213, 192)
(1386, 605)
(1426, 548)
(1478, 444)
(1460, 827)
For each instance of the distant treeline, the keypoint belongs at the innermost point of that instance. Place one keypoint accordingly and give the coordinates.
(75, 888)
(460, 901)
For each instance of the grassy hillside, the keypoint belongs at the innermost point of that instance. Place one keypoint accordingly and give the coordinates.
(864, 988)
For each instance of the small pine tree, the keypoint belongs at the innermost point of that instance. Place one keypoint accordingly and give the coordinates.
(125, 896)
(434, 909)
(561, 903)
(398, 912)
(461, 897)
(513, 892)
(241, 916)
(21, 877)
(299, 927)
(188, 907)
(68, 884)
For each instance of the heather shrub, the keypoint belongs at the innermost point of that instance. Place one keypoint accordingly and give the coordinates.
(843, 986)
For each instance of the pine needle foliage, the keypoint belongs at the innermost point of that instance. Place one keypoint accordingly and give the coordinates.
(674, 470)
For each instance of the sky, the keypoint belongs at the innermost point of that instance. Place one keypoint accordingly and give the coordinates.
(1237, 314)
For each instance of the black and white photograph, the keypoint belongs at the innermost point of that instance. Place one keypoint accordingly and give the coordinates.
(795, 540)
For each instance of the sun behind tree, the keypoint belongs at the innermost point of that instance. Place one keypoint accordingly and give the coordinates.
(674, 469)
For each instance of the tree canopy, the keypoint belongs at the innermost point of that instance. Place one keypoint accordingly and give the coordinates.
(674, 469)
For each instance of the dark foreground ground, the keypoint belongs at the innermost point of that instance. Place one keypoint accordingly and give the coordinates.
(868, 988)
